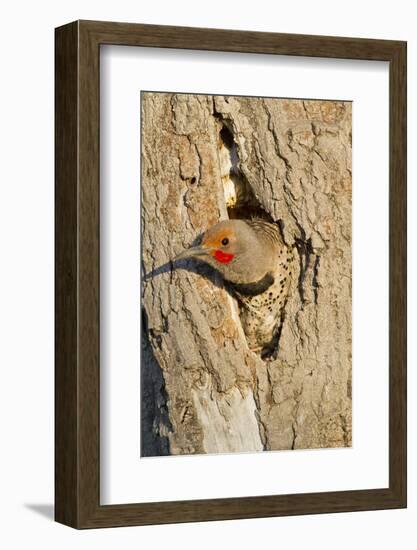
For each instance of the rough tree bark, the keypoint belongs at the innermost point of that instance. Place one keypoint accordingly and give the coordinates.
(205, 158)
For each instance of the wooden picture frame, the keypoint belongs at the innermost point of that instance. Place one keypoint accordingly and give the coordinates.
(77, 382)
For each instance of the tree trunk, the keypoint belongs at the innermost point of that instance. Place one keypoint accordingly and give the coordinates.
(207, 158)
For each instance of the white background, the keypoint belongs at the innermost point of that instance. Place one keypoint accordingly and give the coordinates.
(26, 275)
(124, 478)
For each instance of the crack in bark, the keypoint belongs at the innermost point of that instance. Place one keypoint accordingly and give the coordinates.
(315, 278)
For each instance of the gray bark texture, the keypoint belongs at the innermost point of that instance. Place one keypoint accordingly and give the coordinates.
(206, 158)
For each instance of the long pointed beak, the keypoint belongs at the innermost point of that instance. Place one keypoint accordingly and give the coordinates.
(192, 252)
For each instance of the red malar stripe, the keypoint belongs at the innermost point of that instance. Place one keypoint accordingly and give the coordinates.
(223, 257)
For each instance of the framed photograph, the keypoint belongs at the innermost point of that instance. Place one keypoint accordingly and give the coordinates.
(230, 274)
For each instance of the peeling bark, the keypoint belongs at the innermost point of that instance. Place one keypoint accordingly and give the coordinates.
(205, 158)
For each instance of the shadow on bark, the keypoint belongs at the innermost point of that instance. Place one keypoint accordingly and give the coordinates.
(155, 423)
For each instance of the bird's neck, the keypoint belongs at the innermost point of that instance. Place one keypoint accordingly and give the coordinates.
(253, 289)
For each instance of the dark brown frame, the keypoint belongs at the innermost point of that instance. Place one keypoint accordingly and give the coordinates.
(77, 274)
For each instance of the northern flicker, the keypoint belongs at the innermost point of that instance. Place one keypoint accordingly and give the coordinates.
(257, 266)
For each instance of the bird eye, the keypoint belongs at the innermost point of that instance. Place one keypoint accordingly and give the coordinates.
(225, 241)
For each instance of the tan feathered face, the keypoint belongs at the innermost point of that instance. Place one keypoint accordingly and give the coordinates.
(232, 248)
(220, 242)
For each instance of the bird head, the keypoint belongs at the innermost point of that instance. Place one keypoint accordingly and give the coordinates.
(233, 249)
(219, 243)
